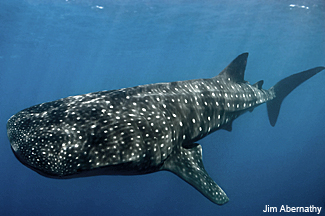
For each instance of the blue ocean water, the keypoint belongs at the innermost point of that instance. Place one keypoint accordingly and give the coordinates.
(51, 49)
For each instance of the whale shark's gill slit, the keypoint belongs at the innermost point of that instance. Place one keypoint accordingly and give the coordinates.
(142, 129)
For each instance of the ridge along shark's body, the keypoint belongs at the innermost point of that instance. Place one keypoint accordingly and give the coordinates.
(142, 129)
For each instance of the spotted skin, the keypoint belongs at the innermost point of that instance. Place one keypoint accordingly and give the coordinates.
(135, 130)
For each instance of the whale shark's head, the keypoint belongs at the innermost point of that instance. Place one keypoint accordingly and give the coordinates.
(54, 138)
(41, 142)
(82, 135)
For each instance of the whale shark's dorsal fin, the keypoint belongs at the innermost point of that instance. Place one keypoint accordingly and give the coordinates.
(236, 69)
(187, 163)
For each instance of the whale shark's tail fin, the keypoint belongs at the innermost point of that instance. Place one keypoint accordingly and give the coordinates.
(284, 87)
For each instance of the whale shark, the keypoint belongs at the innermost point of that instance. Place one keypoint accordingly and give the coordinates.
(142, 129)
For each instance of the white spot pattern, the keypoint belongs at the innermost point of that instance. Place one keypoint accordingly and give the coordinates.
(143, 125)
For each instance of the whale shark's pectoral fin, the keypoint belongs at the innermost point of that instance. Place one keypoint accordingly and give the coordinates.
(187, 164)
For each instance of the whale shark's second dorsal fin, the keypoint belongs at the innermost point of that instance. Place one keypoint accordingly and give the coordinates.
(235, 71)
(258, 84)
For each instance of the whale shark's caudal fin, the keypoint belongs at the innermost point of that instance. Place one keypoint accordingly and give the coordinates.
(284, 87)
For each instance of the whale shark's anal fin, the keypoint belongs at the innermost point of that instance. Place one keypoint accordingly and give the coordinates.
(284, 87)
(187, 164)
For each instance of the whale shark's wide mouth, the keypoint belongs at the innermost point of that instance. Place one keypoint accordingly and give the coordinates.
(20, 157)
(22, 160)
(15, 136)
(17, 133)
